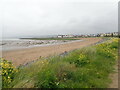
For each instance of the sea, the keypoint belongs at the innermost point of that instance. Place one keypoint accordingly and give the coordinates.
(14, 43)
(7, 44)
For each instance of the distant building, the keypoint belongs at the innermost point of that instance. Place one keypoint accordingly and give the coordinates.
(102, 34)
(60, 36)
(115, 34)
(65, 36)
(112, 34)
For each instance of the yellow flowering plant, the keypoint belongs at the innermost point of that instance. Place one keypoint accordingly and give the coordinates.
(7, 72)
(107, 48)
(82, 60)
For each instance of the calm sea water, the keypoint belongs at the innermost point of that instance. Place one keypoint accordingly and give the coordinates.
(8, 44)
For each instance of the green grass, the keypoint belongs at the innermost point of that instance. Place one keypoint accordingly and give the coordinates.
(52, 38)
(88, 67)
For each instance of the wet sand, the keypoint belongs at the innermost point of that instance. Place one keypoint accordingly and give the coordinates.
(26, 55)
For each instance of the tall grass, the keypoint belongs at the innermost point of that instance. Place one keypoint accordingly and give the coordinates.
(88, 67)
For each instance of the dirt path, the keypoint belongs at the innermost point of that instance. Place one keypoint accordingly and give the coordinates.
(114, 78)
(25, 55)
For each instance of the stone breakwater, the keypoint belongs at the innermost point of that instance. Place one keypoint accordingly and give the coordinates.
(18, 44)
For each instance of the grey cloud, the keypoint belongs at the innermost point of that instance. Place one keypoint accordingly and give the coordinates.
(38, 17)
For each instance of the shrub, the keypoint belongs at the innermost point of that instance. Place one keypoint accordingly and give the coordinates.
(82, 60)
(7, 71)
(108, 49)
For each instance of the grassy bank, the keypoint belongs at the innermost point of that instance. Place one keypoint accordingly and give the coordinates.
(88, 67)
(51, 38)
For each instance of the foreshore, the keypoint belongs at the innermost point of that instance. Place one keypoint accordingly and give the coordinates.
(16, 44)
(23, 56)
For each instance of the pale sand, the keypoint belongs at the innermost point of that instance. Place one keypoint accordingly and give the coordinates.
(26, 55)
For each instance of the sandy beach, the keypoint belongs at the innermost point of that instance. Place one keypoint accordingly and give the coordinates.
(23, 56)
(15, 44)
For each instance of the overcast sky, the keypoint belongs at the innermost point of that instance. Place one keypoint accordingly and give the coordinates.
(24, 18)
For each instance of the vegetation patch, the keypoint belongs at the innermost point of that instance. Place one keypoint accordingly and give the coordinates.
(88, 67)
(7, 70)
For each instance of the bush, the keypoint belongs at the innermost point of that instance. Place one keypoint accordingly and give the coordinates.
(108, 49)
(82, 60)
(7, 71)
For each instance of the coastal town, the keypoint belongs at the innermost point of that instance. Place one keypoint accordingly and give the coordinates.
(112, 34)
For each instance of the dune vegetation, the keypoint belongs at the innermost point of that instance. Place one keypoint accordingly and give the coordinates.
(88, 67)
